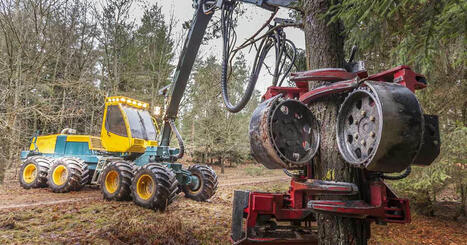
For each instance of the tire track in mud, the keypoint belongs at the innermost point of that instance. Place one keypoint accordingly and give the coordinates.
(246, 181)
(37, 204)
(96, 195)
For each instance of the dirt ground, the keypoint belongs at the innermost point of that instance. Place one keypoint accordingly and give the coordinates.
(39, 216)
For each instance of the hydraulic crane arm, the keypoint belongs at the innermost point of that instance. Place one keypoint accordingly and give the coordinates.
(185, 64)
(190, 50)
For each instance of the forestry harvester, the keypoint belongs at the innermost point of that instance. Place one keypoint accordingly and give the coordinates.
(381, 129)
(125, 161)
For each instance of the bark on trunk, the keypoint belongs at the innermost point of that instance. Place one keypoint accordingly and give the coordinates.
(463, 190)
(324, 49)
(2, 171)
(221, 162)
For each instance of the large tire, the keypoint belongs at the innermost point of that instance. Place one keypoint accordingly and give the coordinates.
(116, 181)
(207, 186)
(33, 173)
(154, 186)
(67, 174)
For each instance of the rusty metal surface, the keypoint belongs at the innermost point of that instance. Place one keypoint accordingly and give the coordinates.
(283, 134)
(324, 187)
(329, 89)
(326, 74)
(260, 143)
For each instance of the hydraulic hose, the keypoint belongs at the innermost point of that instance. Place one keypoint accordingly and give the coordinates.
(279, 51)
(274, 37)
(181, 145)
(292, 60)
(406, 173)
(264, 47)
(227, 26)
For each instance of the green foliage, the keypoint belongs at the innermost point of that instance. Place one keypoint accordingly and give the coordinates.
(115, 41)
(136, 59)
(153, 48)
(407, 31)
(212, 133)
(424, 183)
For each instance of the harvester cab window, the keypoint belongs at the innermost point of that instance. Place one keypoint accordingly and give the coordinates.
(114, 122)
(140, 123)
(148, 125)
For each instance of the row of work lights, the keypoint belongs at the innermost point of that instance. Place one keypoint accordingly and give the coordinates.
(128, 101)
(133, 103)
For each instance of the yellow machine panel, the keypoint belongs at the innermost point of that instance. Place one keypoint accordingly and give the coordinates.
(45, 143)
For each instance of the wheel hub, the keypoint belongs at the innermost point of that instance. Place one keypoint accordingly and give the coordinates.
(145, 186)
(362, 125)
(196, 183)
(60, 175)
(29, 173)
(111, 181)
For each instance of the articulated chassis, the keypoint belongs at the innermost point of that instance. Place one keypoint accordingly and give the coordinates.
(257, 216)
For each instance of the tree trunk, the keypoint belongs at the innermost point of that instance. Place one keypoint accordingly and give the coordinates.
(221, 162)
(14, 131)
(2, 170)
(463, 191)
(324, 49)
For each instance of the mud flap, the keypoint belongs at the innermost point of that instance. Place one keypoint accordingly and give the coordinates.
(240, 202)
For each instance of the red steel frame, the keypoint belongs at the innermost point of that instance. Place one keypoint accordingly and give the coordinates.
(381, 206)
(299, 204)
(343, 82)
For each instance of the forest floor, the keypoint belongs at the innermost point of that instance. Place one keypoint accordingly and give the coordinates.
(39, 216)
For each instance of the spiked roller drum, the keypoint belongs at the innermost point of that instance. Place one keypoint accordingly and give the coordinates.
(283, 134)
(380, 127)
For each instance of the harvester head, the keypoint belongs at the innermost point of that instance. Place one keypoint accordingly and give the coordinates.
(380, 125)
(380, 129)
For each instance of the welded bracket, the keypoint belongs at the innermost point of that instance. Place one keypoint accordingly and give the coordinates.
(384, 206)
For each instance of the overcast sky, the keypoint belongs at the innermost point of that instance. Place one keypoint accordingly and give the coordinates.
(249, 23)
